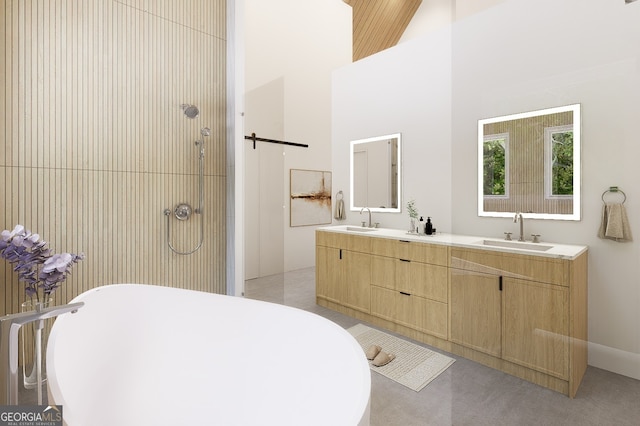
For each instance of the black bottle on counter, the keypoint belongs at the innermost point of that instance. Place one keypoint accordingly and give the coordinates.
(428, 227)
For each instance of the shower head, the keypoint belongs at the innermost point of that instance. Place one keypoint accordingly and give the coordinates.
(205, 131)
(190, 111)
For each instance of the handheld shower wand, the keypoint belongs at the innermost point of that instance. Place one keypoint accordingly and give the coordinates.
(205, 131)
(183, 211)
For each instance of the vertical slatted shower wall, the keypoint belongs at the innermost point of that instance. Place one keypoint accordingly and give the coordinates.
(95, 145)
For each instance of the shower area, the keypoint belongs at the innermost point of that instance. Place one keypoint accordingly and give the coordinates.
(113, 113)
(183, 211)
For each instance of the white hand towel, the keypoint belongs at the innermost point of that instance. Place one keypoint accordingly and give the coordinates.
(615, 224)
(340, 213)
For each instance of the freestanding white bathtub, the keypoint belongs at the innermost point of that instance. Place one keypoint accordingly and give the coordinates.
(150, 355)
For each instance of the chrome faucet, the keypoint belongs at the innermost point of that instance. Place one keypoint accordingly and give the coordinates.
(515, 220)
(369, 210)
(9, 326)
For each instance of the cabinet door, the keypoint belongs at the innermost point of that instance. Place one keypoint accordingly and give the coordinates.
(357, 279)
(536, 326)
(329, 274)
(476, 311)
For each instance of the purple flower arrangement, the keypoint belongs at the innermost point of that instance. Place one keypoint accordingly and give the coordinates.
(34, 262)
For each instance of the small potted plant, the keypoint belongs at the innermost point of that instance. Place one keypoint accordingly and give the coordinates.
(413, 215)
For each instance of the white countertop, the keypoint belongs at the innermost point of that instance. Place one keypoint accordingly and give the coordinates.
(556, 250)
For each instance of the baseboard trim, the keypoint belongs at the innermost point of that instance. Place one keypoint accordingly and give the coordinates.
(614, 360)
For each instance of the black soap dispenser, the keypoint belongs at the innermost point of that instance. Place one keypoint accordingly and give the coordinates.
(428, 227)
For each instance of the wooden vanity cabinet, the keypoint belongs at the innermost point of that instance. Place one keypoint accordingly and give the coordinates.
(343, 269)
(406, 289)
(522, 314)
(527, 310)
(521, 321)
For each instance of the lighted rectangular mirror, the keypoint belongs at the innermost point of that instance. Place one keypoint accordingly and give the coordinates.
(530, 163)
(375, 173)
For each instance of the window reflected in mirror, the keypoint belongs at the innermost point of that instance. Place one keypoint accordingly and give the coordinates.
(496, 170)
(530, 163)
(558, 146)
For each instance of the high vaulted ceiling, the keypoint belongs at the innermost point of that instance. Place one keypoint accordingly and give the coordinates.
(379, 24)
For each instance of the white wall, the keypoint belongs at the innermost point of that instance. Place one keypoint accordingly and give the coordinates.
(300, 44)
(433, 15)
(586, 52)
(406, 90)
(516, 56)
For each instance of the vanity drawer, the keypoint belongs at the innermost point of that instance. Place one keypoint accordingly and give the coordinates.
(422, 314)
(422, 279)
(532, 268)
(327, 239)
(343, 241)
(422, 252)
(418, 313)
(384, 247)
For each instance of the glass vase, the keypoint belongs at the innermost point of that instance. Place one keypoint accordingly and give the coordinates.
(412, 226)
(33, 348)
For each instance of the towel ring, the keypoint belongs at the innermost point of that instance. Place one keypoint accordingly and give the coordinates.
(339, 195)
(614, 189)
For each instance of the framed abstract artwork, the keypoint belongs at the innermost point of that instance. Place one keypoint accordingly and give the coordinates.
(310, 197)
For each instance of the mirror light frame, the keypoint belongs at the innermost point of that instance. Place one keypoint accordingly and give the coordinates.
(577, 172)
(352, 144)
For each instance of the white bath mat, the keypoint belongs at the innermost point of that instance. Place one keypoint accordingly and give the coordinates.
(414, 367)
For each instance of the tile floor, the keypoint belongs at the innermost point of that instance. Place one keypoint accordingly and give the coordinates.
(469, 393)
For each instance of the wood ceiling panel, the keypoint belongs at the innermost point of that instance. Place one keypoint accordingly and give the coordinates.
(379, 24)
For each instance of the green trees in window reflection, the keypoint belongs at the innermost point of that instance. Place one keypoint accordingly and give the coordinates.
(562, 163)
(494, 167)
(561, 176)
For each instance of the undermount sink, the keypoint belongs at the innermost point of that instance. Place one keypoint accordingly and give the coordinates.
(515, 245)
(360, 229)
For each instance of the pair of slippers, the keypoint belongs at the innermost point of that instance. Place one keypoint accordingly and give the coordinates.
(378, 357)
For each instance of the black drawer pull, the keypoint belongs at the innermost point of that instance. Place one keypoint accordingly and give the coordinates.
(404, 260)
(405, 294)
(404, 241)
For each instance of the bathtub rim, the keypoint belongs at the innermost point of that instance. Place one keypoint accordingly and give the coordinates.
(361, 414)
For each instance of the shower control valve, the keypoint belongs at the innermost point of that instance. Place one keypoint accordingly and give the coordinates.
(182, 211)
